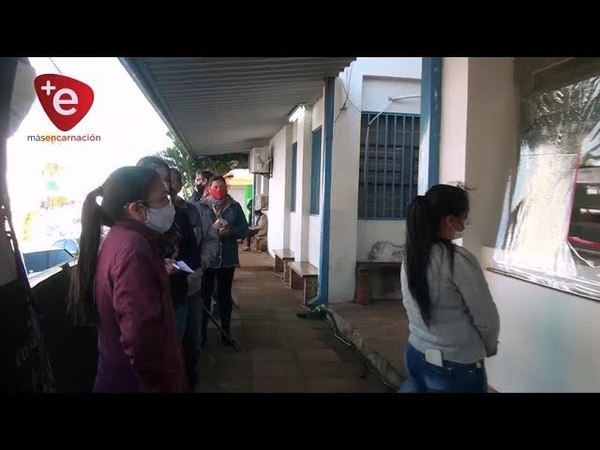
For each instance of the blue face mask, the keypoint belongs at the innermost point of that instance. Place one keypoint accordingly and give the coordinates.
(160, 219)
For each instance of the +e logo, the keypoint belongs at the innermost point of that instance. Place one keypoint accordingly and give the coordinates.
(65, 100)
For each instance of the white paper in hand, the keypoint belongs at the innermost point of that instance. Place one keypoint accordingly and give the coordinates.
(183, 267)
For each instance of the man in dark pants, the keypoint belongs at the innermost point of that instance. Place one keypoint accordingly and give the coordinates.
(182, 245)
(201, 182)
(202, 177)
(208, 245)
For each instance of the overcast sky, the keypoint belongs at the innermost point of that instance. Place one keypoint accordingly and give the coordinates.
(128, 125)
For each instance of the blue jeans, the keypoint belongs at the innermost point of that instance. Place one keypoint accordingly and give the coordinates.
(407, 387)
(452, 377)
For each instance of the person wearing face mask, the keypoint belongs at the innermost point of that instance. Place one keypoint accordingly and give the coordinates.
(208, 245)
(228, 219)
(453, 320)
(202, 177)
(182, 245)
(123, 286)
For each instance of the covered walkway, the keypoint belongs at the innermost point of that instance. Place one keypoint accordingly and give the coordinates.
(280, 351)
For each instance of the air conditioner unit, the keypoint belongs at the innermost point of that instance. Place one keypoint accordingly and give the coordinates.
(260, 161)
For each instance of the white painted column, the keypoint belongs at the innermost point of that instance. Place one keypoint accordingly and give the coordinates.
(344, 195)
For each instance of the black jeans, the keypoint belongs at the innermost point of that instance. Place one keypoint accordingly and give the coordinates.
(224, 279)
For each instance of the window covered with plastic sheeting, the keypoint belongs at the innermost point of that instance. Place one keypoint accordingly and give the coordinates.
(550, 228)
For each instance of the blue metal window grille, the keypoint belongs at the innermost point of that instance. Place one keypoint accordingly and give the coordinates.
(389, 162)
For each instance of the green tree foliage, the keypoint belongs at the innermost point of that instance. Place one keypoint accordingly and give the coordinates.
(176, 156)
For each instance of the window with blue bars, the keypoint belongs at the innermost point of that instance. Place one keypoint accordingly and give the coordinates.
(389, 163)
(315, 172)
(294, 170)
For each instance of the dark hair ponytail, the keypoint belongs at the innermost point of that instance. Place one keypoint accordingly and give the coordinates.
(420, 235)
(125, 185)
(425, 215)
(81, 305)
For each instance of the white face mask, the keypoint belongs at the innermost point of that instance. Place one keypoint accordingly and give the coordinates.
(160, 219)
(460, 234)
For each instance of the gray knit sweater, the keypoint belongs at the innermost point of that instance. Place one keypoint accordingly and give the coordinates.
(464, 321)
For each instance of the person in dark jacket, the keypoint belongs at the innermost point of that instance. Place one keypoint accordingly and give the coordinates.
(202, 177)
(208, 242)
(124, 287)
(183, 245)
(231, 225)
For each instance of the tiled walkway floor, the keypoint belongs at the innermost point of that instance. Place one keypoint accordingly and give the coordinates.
(280, 352)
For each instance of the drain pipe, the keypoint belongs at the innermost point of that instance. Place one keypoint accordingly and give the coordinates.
(319, 302)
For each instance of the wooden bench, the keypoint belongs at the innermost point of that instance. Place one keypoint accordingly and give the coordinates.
(303, 276)
(282, 258)
(259, 243)
(363, 292)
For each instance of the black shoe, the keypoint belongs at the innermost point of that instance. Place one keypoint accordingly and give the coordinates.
(226, 342)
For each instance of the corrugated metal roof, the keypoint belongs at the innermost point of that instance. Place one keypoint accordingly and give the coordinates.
(229, 105)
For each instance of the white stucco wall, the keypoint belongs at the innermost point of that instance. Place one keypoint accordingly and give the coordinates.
(314, 222)
(238, 193)
(295, 235)
(279, 201)
(294, 126)
(318, 112)
(382, 77)
(478, 143)
(373, 231)
(453, 136)
(299, 231)
(314, 240)
(376, 93)
(492, 148)
(547, 338)
(368, 82)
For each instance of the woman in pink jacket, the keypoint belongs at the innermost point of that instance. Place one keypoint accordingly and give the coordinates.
(124, 285)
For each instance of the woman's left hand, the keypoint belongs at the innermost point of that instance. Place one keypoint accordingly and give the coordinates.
(224, 230)
(169, 267)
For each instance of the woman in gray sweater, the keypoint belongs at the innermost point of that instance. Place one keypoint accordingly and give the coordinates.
(453, 321)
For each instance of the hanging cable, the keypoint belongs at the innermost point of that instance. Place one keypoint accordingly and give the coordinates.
(54, 64)
(347, 99)
(329, 319)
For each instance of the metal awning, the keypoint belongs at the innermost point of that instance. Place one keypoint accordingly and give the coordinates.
(229, 105)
